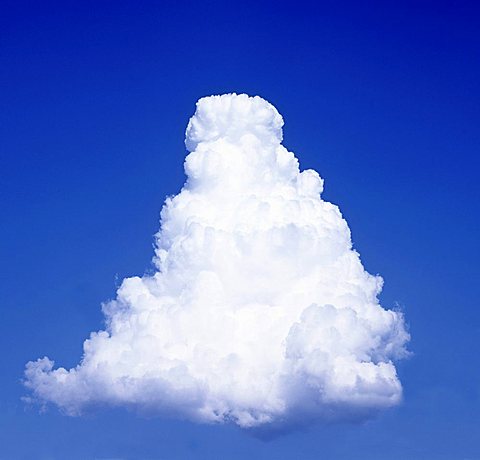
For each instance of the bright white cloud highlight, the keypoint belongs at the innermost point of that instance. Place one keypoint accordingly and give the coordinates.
(260, 312)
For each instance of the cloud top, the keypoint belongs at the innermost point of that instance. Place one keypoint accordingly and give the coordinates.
(259, 312)
(232, 118)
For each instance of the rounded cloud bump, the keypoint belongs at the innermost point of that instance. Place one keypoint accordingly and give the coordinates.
(232, 117)
(259, 312)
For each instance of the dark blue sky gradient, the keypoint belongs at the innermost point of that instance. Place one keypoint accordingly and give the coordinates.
(382, 98)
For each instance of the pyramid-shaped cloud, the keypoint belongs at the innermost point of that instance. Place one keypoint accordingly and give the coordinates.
(259, 312)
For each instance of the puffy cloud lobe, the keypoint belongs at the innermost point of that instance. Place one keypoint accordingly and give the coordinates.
(259, 313)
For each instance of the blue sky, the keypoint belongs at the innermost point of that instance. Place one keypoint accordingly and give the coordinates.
(381, 99)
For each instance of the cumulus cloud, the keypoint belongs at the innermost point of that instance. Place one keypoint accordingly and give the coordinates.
(259, 312)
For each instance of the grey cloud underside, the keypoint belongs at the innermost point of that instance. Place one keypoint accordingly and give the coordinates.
(259, 312)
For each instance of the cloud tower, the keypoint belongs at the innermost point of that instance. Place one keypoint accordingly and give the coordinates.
(259, 312)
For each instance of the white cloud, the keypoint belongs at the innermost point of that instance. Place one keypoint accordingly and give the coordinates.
(260, 312)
